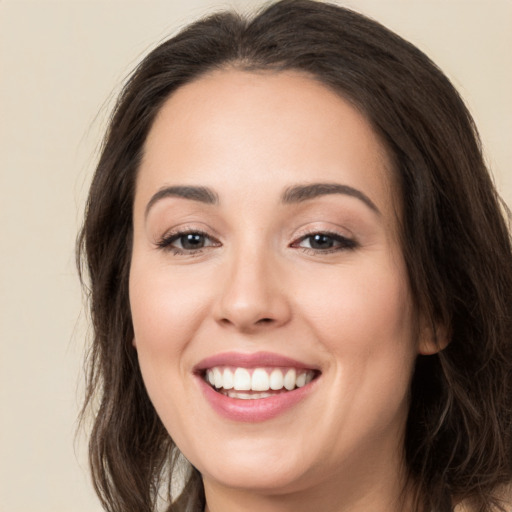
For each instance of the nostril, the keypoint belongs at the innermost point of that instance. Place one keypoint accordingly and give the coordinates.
(264, 321)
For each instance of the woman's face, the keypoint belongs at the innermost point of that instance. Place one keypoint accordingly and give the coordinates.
(266, 260)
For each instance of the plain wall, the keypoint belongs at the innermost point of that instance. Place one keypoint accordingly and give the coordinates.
(61, 63)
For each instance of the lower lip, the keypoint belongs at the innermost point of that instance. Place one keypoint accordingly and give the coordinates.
(260, 409)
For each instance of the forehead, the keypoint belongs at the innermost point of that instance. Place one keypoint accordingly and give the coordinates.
(275, 128)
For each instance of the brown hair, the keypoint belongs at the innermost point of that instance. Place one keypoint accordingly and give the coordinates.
(454, 237)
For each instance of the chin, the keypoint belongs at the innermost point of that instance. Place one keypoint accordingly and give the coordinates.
(271, 478)
(261, 465)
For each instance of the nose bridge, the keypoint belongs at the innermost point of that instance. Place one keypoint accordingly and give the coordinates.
(252, 294)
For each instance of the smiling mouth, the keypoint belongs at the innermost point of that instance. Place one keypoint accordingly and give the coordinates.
(257, 383)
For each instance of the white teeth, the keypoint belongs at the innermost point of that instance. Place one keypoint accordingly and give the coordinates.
(217, 378)
(276, 379)
(247, 396)
(289, 379)
(242, 380)
(257, 379)
(301, 380)
(228, 381)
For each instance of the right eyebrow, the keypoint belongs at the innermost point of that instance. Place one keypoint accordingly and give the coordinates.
(301, 193)
(201, 194)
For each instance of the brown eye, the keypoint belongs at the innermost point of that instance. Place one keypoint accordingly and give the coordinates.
(325, 242)
(191, 241)
(187, 242)
(321, 241)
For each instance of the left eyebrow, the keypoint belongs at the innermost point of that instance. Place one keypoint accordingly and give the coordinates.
(300, 193)
(201, 194)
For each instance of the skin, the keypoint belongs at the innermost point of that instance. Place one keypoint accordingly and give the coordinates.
(258, 285)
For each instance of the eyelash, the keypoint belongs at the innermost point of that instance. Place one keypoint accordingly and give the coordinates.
(344, 243)
(166, 242)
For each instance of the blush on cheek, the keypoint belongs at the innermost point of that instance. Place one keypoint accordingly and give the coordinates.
(157, 308)
(369, 314)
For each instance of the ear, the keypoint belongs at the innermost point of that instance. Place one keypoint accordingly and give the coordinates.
(432, 337)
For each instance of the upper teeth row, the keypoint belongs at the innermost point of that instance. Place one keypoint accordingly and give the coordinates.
(241, 379)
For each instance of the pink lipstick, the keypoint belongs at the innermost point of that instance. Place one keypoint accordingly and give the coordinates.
(254, 387)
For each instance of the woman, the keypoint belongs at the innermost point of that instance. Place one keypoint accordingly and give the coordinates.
(300, 278)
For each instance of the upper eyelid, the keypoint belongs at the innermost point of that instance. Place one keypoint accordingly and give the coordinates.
(171, 237)
(184, 229)
(331, 234)
(182, 232)
(305, 231)
(301, 232)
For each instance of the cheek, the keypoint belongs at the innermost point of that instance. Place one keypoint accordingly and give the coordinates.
(165, 315)
(166, 310)
(371, 304)
(365, 325)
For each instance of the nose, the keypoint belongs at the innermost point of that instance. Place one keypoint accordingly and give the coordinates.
(253, 297)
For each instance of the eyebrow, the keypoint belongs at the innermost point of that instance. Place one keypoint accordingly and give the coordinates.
(300, 193)
(201, 194)
(292, 195)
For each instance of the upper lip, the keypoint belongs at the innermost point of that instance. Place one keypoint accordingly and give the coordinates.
(255, 360)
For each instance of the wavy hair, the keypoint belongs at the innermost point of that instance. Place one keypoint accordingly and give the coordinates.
(454, 236)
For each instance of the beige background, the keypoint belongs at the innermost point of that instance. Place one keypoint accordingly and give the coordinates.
(61, 63)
